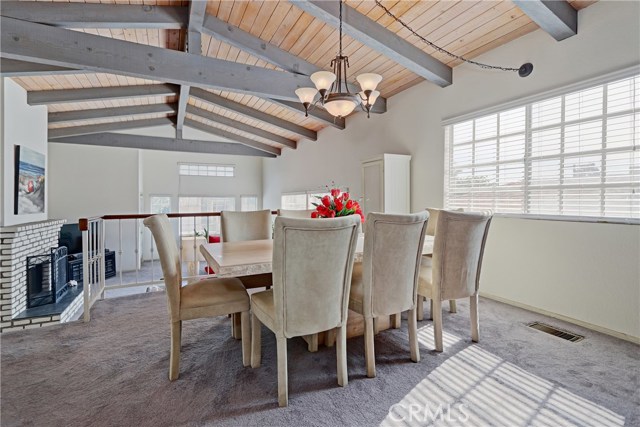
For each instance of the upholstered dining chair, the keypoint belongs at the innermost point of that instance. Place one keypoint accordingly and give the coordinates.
(248, 225)
(455, 273)
(426, 261)
(312, 266)
(386, 281)
(293, 213)
(203, 298)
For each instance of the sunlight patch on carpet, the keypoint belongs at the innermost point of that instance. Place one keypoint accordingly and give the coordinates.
(476, 388)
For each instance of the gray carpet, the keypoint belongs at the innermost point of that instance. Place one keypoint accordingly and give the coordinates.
(113, 372)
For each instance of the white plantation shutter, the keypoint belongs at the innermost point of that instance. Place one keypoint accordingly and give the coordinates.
(575, 154)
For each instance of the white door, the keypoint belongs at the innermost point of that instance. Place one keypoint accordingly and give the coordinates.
(372, 186)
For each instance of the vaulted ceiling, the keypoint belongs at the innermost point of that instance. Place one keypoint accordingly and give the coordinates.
(291, 38)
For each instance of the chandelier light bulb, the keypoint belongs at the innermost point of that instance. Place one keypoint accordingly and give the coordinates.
(306, 94)
(372, 97)
(323, 80)
(340, 107)
(369, 81)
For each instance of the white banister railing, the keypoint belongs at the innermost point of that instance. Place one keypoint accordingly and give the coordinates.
(93, 262)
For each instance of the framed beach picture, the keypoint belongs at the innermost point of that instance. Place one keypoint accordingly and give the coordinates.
(29, 181)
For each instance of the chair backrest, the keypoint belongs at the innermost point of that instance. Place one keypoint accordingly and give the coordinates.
(391, 262)
(433, 220)
(291, 213)
(312, 267)
(457, 252)
(162, 232)
(239, 226)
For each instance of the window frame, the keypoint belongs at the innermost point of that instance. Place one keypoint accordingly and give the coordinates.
(208, 166)
(247, 196)
(527, 102)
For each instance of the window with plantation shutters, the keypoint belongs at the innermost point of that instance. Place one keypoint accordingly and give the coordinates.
(570, 155)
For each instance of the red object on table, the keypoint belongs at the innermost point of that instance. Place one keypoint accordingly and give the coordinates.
(212, 239)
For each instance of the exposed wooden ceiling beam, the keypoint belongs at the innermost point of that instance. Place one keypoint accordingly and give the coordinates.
(108, 127)
(257, 47)
(252, 113)
(556, 17)
(60, 96)
(13, 68)
(101, 113)
(240, 126)
(274, 55)
(163, 144)
(231, 136)
(85, 15)
(197, 12)
(39, 43)
(378, 38)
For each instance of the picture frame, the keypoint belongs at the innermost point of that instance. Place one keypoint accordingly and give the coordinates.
(29, 182)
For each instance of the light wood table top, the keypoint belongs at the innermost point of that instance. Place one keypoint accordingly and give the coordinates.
(237, 259)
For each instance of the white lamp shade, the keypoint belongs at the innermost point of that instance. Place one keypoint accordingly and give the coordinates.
(306, 94)
(323, 79)
(372, 97)
(340, 107)
(369, 81)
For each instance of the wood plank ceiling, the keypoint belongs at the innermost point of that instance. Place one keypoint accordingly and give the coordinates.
(468, 28)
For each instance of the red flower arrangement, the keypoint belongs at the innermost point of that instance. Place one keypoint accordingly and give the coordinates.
(337, 204)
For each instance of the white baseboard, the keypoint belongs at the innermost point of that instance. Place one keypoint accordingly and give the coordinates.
(626, 337)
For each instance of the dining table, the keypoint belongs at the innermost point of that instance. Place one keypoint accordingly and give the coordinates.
(250, 257)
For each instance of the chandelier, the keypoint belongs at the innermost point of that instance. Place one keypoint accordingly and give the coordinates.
(334, 89)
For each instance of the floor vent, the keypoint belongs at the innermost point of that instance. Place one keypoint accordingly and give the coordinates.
(565, 335)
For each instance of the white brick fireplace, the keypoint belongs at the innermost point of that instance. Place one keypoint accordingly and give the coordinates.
(16, 244)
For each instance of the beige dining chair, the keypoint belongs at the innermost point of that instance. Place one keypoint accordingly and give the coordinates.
(203, 298)
(386, 281)
(426, 261)
(293, 213)
(455, 273)
(240, 226)
(312, 266)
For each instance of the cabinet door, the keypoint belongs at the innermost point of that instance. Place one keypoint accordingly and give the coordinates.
(373, 187)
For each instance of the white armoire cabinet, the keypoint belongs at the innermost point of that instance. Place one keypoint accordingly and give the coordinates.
(386, 184)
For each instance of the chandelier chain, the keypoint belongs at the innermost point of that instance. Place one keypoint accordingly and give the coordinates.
(436, 47)
(340, 27)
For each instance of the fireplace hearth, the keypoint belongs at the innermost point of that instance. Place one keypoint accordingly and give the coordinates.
(47, 277)
(17, 243)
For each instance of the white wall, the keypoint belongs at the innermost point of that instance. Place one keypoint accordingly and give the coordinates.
(93, 181)
(87, 181)
(21, 125)
(593, 277)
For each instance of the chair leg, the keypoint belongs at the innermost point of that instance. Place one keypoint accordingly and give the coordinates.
(436, 313)
(256, 341)
(431, 309)
(341, 354)
(396, 320)
(237, 327)
(452, 306)
(312, 343)
(369, 350)
(475, 323)
(245, 321)
(283, 386)
(413, 336)
(330, 337)
(174, 357)
(420, 307)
